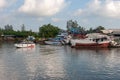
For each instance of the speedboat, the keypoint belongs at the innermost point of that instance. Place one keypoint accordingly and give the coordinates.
(25, 44)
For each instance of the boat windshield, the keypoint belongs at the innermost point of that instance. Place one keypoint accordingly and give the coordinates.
(26, 42)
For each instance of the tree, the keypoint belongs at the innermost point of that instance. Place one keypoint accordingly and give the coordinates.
(23, 28)
(91, 30)
(81, 30)
(8, 27)
(99, 28)
(96, 30)
(48, 30)
(74, 24)
(71, 24)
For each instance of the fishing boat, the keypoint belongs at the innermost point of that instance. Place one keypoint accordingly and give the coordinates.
(94, 40)
(25, 44)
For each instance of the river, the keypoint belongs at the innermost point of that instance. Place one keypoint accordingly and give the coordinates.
(45, 62)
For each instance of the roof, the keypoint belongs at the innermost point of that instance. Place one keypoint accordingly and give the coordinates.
(96, 35)
(116, 32)
(8, 35)
(107, 31)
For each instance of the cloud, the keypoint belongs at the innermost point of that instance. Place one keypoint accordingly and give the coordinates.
(78, 12)
(2, 3)
(42, 7)
(107, 8)
(56, 19)
(112, 8)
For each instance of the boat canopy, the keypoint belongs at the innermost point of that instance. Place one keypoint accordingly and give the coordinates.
(96, 35)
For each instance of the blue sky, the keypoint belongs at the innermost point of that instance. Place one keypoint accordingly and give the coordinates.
(35, 13)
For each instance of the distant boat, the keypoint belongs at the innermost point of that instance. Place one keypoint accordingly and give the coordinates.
(53, 42)
(94, 40)
(67, 39)
(25, 44)
(58, 40)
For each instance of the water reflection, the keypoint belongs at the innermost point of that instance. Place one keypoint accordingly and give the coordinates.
(25, 50)
(46, 50)
(45, 62)
(93, 63)
(51, 62)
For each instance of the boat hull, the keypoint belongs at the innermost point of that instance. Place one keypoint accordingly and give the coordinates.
(80, 44)
(93, 45)
(24, 45)
(53, 42)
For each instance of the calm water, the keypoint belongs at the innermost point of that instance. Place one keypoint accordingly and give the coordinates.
(45, 62)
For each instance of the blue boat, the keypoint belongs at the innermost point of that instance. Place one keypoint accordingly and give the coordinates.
(58, 40)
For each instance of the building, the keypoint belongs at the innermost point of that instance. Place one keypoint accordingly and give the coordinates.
(113, 32)
(8, 37)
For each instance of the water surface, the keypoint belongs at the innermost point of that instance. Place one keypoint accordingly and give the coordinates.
(45, 62)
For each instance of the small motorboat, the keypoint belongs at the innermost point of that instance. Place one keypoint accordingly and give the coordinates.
(25, 44)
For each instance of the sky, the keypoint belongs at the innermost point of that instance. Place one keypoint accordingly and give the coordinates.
(35, 13)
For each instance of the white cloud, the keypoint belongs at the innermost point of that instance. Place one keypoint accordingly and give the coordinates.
(40, 19)
(78, 12)
(107, 8)
(112, 8)
(42, 7)
(56, 19)
(2, 3)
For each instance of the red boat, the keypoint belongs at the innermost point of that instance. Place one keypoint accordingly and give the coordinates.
(94, 40)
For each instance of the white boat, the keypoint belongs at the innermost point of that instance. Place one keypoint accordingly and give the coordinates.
(67, 39)
(94, 40)
(25, 44)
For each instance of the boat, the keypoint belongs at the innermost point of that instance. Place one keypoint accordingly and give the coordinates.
(53, 42)
(114, 44)
(94, 40)
(67, 39)
(58, 40)
(25, 44)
